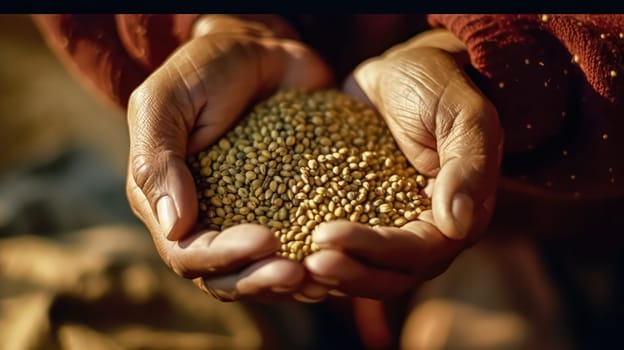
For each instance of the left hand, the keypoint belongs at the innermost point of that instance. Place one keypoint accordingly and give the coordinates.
(187, 104)
(448, 130)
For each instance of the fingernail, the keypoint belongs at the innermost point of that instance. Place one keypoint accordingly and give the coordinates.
(336, 293)
(302, 298)
(462, 210)
(325, 280)
(167, 214)
(323, 237)
(318, 236)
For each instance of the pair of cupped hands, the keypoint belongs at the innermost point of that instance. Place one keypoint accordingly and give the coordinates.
(444, 125)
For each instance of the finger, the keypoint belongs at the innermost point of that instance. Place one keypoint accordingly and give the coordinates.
(354, 278)
(209, 252)
(268, 279)
(157, 166)
(469, 166)
(418, 248)
(470, 149)
(215, 78)
(212, 252)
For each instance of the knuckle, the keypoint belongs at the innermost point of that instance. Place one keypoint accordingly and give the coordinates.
(148, 171)
(155, 100)
(144, 170)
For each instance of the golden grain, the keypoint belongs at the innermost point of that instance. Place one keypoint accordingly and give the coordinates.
(298, 160)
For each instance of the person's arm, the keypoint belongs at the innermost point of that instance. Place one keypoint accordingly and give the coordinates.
(592, 43)
(113, 54)
(91, 48)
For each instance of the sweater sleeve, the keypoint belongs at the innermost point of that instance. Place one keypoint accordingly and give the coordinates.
(594, 43)
(113, 54)
(524, 71)
(557, 83)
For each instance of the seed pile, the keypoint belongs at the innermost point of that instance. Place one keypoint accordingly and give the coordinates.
(298, 160)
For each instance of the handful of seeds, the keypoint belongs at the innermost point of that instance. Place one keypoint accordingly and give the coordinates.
(298, 160)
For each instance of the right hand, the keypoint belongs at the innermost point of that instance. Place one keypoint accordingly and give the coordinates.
(185, 106)
(450, 132)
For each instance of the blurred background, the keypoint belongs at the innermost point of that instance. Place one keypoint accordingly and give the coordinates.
(77, 270)
(61, 148)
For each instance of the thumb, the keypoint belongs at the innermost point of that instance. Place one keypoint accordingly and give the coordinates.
(469, 143)
(161, 189)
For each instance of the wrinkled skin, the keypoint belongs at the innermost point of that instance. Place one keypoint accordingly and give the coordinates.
(444, 125)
